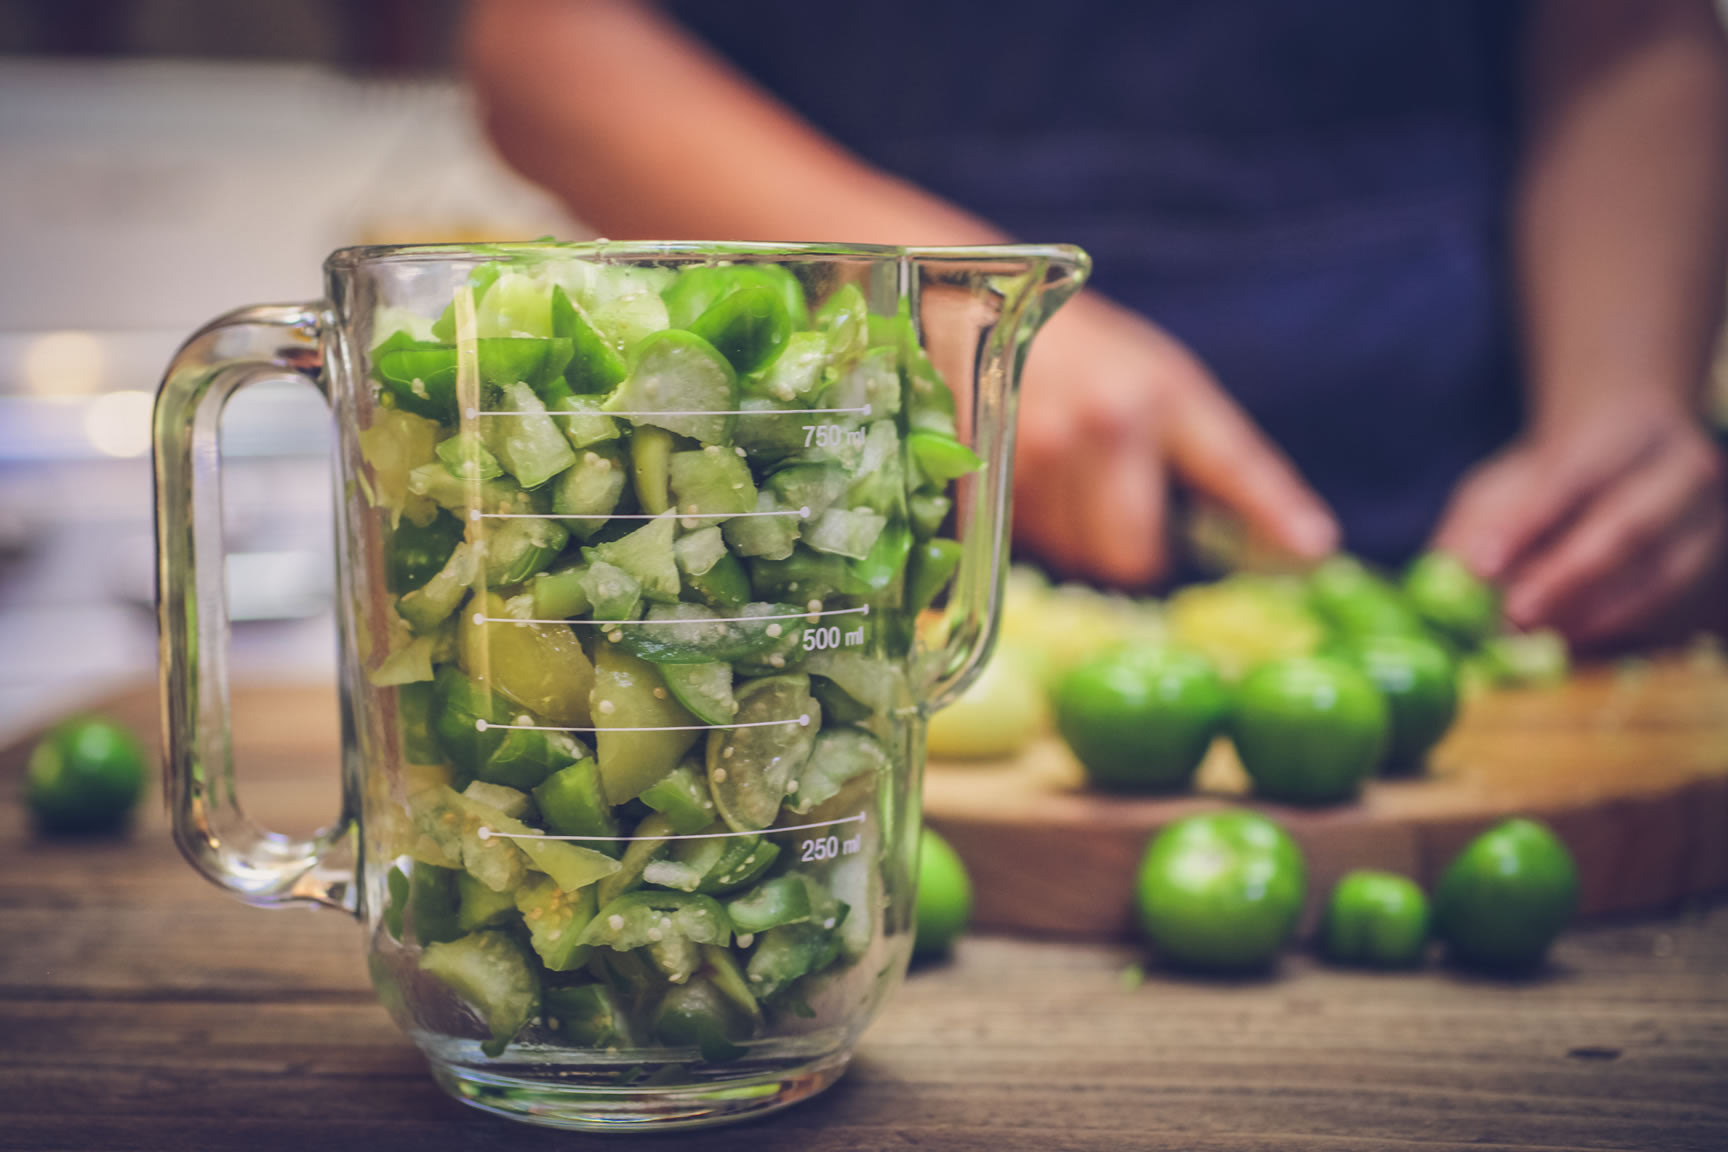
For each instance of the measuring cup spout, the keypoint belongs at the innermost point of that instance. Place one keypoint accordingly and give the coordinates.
(978, 310)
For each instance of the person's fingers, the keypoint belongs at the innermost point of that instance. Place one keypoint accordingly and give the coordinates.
(1214, 447)
(1120, 512)
(1639, 596)
(1633, 517)
(1497, 512)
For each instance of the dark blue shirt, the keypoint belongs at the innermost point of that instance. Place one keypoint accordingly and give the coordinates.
(1311, 194)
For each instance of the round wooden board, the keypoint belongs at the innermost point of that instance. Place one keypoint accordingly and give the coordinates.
(1629, 765)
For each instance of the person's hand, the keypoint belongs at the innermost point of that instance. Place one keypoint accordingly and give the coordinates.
(1112, 408)
(1609, 529)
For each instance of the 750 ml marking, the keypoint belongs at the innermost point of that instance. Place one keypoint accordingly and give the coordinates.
(829, 847)
(831, 436)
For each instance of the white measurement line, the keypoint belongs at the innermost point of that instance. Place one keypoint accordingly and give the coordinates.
(476, 514)
(486, 726)
(480, 618)
(476, 413)
(487, 833)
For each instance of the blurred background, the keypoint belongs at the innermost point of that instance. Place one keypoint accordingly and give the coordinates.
(162, 161)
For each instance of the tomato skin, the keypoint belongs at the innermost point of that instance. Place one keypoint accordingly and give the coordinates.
(1376, 920)
(1141, 721)
(1504, 899)
(1221, 891)
(85, 776)
(1419, 680)
(1450, 598)
(1309, 729)
(944, 898)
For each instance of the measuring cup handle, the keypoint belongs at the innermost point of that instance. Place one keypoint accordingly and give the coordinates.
(253, 863)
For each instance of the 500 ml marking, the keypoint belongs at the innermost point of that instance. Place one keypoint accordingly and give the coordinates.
(832, 636)
(829, 847)
(832, 436)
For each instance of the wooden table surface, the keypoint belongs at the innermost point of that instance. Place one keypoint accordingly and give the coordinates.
(140, 1008)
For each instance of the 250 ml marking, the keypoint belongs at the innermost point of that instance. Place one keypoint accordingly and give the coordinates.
(832, 636)
(829, 847)
(831, 436)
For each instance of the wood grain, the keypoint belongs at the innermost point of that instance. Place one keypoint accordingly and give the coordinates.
(140, 1008)
(1630, 767)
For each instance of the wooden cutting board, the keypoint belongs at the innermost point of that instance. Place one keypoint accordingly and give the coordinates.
(1629, 765)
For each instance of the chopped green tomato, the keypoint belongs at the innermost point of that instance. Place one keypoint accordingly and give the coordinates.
(724, 586)
(595, 366)
(785, 899)
(713, 483)
(419, 552)
(676, 958)
(396, 888)
(880, 480)
(806, 575)
(928, 510)
(514, 304)
(572, 803)
(839, 756)
(875, 683)
(492, 973)
(692, 634)
(479, 281)
(705, 689)
(872, 382)
(680, 383)
(590, 489)
(582, 421)
(748, 326)
(540, 667)
(788, 952)
(556, 920)
(699, 287)
(465, 721)
(797, 373)
(682, 798)
(467, 457)
(590, 1016)
(643, 846)
(525, 440)
(815, 486)
(769, 430)
(719, 864)
(886, 563)
(770, 533)
(520, 548)
(650, 468)
(393, 445)
(749, 768)
(558, 594)
(696, 1015)
(527, 756)
(414, 707)
(410, 663)
(728, 978)
(570, 865)
(477, 906)
(645, 916)
(697, 552)
(512, 802)
(647, 555)
(432, 904)
(838, 707)
(849, 532)
(844, 317)
(430, 605)
(939, 459)
(643, 731)
(434, 482)
(929, 571)
(613, 593)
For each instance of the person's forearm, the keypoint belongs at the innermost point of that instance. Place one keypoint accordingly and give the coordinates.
(644, 133)
(1623, 197)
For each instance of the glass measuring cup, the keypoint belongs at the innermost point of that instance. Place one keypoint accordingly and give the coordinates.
(653, 559)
